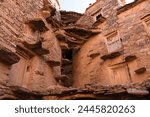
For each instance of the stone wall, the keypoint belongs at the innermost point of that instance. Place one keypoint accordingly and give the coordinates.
(35, 70)
(90, 66)
(83, 56)
(13, 14)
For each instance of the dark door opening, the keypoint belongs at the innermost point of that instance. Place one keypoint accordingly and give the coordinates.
(67, 67)
(68, 54)
(98, 17)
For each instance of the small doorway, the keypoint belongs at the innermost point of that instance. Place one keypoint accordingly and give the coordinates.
(120, 74)
(67, 67)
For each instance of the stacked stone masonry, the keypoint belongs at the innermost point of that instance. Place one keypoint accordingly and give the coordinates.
(46, 53)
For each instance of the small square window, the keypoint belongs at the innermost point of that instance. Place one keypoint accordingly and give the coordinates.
(97, 14)
(113, 42)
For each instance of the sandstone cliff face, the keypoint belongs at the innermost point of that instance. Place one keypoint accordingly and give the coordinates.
(46, 53)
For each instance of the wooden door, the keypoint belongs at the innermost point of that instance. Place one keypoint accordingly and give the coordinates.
(18, 71)
(120, 74)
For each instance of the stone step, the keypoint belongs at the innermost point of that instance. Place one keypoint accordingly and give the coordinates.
(61, 77)
(137, 91)
(66, 61)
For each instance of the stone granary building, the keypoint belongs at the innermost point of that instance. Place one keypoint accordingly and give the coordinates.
(46, 53)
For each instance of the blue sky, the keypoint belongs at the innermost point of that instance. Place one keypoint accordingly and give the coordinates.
(75, 5)
(78, 5)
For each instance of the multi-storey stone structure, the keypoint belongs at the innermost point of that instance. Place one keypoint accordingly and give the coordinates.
(46, 53)
(122, 45)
